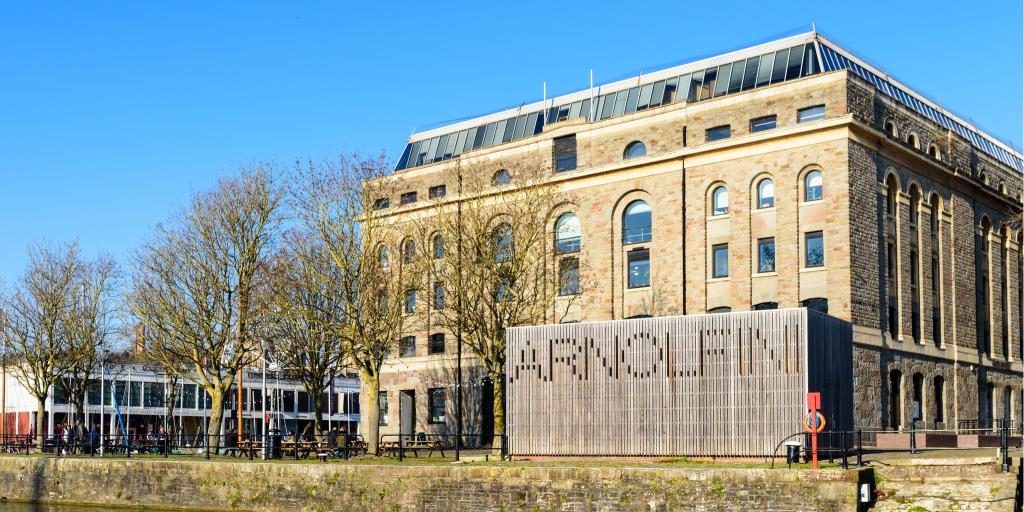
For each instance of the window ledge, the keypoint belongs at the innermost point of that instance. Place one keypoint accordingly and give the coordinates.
(719, 217)
(718, 279)
(764, 210)
(812, 203)
(638, 288)
(765, 274)
(822, 268)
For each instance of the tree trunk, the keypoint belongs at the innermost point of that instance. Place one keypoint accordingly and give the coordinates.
(216, 414)
(79, 410)
(498, 383)
(318, 414)
(372, 411)
(40, 421)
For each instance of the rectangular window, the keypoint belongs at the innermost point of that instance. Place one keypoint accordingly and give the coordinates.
(762, 123)
(410, 301)
(436, 399)
(814, 249)
(718, 133)
(569, 276)
(720, 260)
(381, 203)
(408, 198)
(766, 255)
(288, 401)
(438, 296)
(563, 152)
(639, 264)
(437, 191)
(407, 346)
(153, 395)
(815, 113)
(304, 402)
(135, 394)
(382, 404)
(436, 343)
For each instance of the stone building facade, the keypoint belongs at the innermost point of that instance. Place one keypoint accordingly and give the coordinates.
(882, 209)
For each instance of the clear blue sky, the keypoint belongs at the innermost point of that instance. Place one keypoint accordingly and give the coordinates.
(111, 114)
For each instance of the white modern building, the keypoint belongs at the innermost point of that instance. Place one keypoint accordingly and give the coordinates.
(133, 398)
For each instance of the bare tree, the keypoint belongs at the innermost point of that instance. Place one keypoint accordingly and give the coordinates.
(338, 200)
(498, 267)
(35, 330)
(308, 311)
(199, 286)
(90, 327)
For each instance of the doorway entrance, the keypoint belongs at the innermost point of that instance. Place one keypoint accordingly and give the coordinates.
(407, 412)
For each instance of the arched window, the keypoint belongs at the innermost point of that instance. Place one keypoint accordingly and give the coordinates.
(384, 260)
(766, 193)
(890, 128)
(408, 251)
(895, 400)
(915, 205)
(913, 141)
(635, 149)
(438, 243)
(567, 233)
(984, 286)
(636, 223)
(812, 186)
(501, 177)
(503, 243)
(892, 195)
(917, 411)
(720, 200)
(933, 151)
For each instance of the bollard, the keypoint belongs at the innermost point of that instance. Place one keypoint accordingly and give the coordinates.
(296, 445)
(401, 448)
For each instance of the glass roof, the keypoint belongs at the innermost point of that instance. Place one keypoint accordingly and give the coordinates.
(770, 63)
(833, 60)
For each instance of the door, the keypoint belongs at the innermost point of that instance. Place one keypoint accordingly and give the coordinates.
(407, 412)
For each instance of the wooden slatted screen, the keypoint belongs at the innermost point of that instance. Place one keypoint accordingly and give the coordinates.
(730, 384)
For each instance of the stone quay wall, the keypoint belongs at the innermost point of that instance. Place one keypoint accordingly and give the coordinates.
(257, 486)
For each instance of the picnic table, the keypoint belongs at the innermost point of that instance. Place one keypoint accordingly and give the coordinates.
(249, 446)
(414, 446)
(304, 448)
(357, 447)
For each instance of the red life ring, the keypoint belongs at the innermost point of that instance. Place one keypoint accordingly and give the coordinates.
(820, 423)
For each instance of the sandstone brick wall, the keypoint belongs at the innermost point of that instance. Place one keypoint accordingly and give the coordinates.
(260, 486)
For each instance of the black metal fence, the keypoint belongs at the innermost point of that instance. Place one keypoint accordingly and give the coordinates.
(274, 445)
(846, 445)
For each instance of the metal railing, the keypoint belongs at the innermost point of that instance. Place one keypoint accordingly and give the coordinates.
(850, 444)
